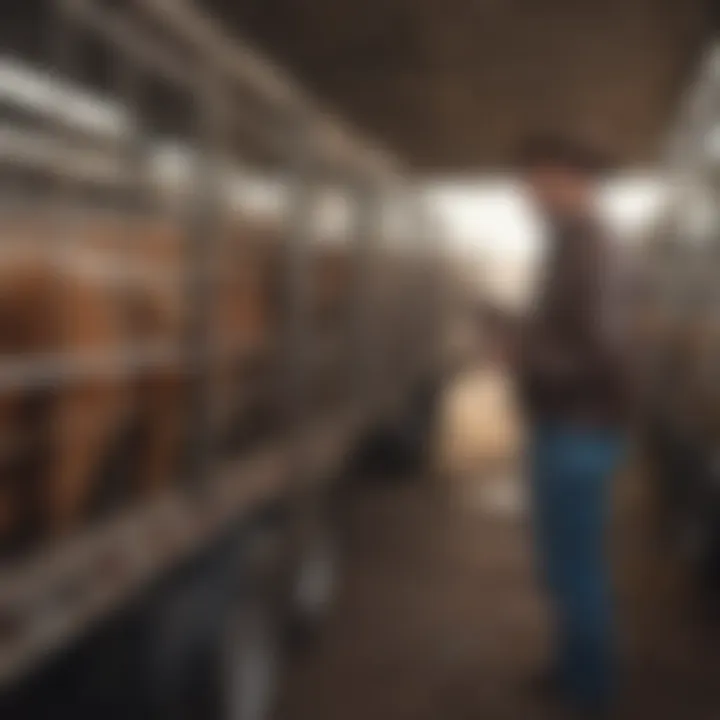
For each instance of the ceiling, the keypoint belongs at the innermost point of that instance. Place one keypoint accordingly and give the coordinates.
(453, 84)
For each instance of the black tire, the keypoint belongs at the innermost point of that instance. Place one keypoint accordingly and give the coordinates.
(246, 659)
(246, 655)
(314, 573)
(179, 627)
(216, 646)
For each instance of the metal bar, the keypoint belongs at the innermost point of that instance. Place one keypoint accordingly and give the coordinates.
(413, 316)
(136, 144)
(44, 151)
(128, 37)
(429, 275)
(230, 56)
(696, 106)
(38, 150)
(440, 309)
(54, 99)
(364, 250)
(52, 369)
(296, 272)
(124, 36)
(248, 68)
(446, 299)
(296, 365)
(202, 245)
(54, 598)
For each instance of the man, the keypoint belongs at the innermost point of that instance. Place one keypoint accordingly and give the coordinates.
(573, 388)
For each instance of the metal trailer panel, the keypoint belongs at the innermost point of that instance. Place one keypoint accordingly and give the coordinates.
(248, 68)
(53, 597)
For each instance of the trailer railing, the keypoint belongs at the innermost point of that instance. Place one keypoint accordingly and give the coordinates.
(80, 141)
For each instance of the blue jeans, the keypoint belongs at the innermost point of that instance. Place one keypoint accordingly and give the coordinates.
(571, 478)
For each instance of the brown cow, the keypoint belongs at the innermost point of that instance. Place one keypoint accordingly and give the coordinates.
(120, 285)
(58, 429)
(82, 300)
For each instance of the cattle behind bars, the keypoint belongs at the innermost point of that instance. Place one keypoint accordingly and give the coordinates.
(113, 293)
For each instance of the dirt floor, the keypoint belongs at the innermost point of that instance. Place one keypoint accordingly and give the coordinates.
(438, 617)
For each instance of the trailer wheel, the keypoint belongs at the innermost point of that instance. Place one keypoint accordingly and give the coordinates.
(314, 581)
(178, 629)
(247, 660)
(246, 656)
(216, 637)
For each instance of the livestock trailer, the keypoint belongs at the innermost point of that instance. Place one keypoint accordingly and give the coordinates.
(683, 258)
(213, 294)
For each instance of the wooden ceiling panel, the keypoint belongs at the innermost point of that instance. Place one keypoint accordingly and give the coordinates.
(453, 84)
